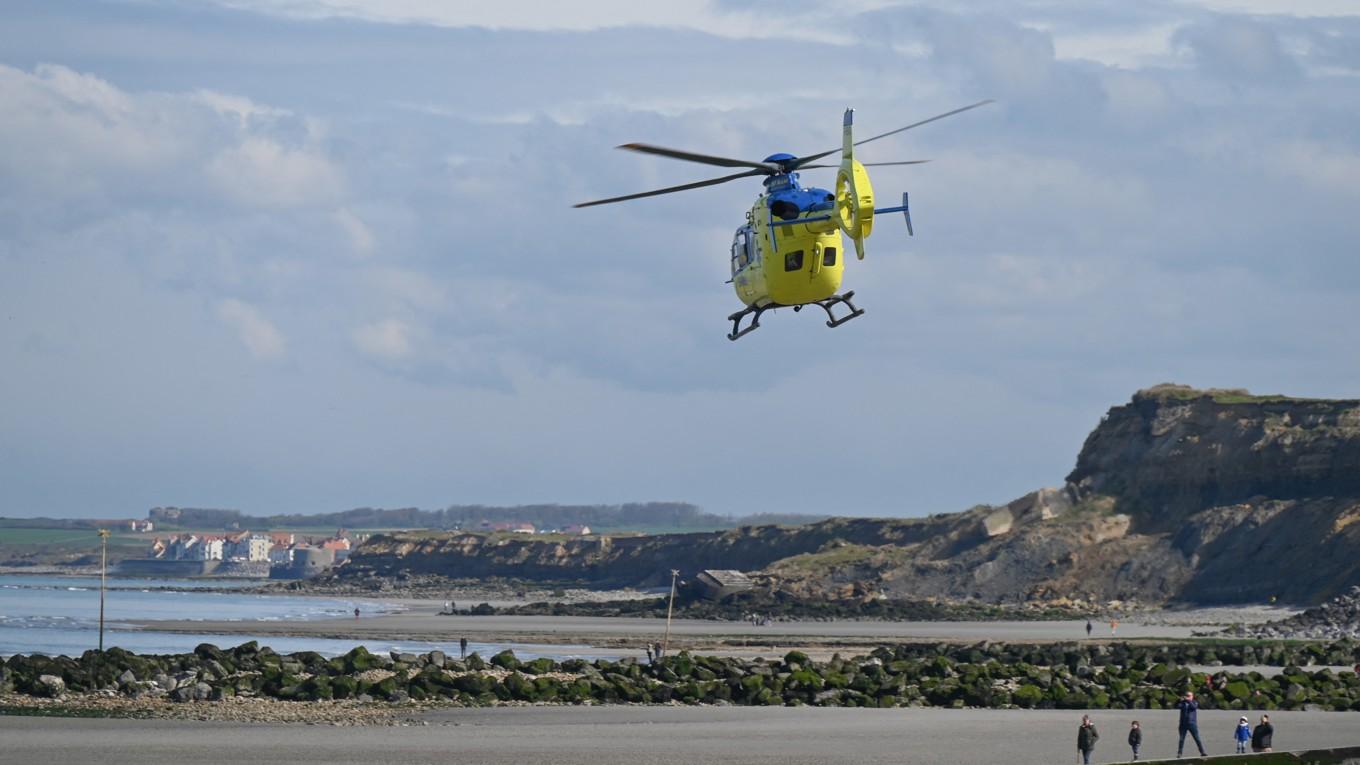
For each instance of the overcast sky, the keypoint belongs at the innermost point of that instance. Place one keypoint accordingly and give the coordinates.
(308, 255)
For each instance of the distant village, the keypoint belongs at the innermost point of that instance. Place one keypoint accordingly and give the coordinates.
(278, 554)
(277, 547)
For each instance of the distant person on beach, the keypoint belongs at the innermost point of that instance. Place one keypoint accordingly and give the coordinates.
(356, 612)
(1135, 738)
(1189, 723)
(1114, 625)
(1261, 735)
(1086, 739)
(1242, 735)
(1089, 627)
(462, 648)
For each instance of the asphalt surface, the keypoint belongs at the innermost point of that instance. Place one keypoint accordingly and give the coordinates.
(646, 735)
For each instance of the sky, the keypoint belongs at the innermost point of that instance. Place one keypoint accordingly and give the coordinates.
(309, 255)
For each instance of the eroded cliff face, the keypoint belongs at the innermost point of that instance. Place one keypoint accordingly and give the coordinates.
(1174, 451)
(1200, 496)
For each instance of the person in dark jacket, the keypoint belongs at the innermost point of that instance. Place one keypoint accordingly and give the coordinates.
(1189, 723)
(1086, 739)
(1261, 735)
(1135, 738)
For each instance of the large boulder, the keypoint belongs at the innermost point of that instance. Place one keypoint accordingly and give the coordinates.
(51, 686)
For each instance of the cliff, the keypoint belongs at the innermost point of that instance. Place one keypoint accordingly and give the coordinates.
(1179, 495)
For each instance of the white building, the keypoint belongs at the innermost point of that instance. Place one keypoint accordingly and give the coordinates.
(207, 549)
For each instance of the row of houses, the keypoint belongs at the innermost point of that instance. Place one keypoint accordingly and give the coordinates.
(278, 548)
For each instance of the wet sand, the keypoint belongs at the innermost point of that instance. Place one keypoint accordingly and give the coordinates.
(643, 735)
(423, 623)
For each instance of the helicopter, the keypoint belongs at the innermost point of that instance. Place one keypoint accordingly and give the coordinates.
(789, 253)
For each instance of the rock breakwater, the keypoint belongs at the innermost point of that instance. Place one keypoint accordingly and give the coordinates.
(1062, 675)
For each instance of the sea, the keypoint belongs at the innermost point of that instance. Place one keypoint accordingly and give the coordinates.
(59, 615)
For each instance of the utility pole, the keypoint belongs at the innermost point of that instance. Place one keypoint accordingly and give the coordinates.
(103, 566)
(666, 642)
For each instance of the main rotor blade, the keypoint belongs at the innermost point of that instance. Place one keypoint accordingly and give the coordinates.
(706, 159)
(801, 161)
(873, 164)
(671, 189)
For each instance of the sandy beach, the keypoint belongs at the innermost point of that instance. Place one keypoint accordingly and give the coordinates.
(423, 622)
(642, 735)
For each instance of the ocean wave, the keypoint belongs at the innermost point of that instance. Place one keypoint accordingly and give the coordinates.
(45, 622)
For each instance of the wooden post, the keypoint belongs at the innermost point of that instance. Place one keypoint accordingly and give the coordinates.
(103, 566)
(666, 641)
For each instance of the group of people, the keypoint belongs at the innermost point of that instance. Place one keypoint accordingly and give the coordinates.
(1259, 738)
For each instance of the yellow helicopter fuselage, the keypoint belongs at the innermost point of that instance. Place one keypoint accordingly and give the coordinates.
(802, 263)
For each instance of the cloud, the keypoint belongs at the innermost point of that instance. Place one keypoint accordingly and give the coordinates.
(359, 235)
(260, 336)
(259, 171)
(387, 340)
(72, 134)
(1238, 49)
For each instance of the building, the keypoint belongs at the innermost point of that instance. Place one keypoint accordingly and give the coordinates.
(208, 548)
(281, 555)
(716, 584)
(248, 547)
(340, 547)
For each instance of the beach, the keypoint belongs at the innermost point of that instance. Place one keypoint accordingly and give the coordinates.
(421, 621)
(656, 734)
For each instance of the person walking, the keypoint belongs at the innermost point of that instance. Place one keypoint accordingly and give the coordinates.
(1261, 735)
(1089, 627)
(1087, 735)
(1242, 735)
(1189, 723)
(1135, 738)
(462, 649)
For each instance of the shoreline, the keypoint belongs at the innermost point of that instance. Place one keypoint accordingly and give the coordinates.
(422, 623)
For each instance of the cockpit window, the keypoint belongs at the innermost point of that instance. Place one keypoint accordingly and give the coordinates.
(741, 250)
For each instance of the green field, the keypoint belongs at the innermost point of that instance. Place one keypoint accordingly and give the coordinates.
(38, 546)
(10, 536)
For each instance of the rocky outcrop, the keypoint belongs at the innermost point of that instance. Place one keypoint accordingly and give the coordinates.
(1180, 495)
(1173, 451)
(1338, 618)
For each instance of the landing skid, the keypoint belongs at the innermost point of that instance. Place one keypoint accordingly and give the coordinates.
(827, 305)
(754, 312)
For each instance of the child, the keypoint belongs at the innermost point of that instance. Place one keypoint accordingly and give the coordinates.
(1135, 738)
(1242, 735)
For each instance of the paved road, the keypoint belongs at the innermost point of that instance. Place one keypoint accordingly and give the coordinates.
(647, 735)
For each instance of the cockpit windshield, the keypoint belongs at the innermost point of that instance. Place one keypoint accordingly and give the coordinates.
(741, 249)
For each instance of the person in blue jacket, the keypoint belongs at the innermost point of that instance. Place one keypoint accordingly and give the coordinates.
(1189, 723)
(1242, 735)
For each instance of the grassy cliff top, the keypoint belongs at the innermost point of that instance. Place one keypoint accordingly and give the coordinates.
(1176, 392)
